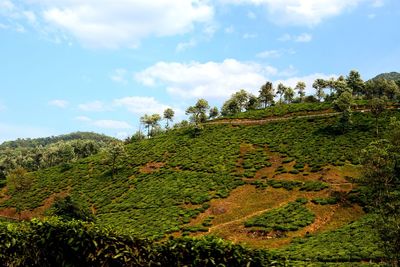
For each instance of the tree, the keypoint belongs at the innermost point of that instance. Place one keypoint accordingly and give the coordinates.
(252, 102)
(377, 106)
(168, 116)
(355, 82)
(343, 104)
(339, 85)
(381, 175)
(146, 120)
(115, 151)
(19, 181)
(381, 87)
(319, 85)
(68, 209)
(288, 95)
(301, 87)
(150, 122)
(230, 107)
(280, 91)
(198, 111)
(213, 113)
(239, 102)
(137, 136)
(266, 96)
(241, 98)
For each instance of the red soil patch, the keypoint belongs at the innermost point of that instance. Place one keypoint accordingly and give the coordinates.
(29, 214)
(151, 167)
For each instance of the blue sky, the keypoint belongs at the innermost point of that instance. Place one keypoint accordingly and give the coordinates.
(97, 65)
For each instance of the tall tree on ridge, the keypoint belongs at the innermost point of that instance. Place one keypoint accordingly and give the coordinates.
(267, 93)
(301, 88)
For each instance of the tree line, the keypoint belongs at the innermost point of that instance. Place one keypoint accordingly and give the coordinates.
(341, 92)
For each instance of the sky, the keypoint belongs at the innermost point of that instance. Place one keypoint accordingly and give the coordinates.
(99, 65)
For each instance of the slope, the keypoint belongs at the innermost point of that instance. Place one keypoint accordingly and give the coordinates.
(164, 184)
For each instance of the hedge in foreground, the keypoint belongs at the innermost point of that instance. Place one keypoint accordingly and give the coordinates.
(52, 242)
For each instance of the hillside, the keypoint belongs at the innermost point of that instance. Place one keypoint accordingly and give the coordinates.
(392, 76)
(39, 153)
(35, 142)
(239, 182)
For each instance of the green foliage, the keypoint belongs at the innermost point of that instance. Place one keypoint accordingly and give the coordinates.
(56, 243)
(290, 217)
(35, 154)
(391, 76)
(290, 185)
(325, 201)
(33, 143)
(356, 242)
(280, 110)
(381, 176)
(68, 209)
(195, 170)
(255, 160)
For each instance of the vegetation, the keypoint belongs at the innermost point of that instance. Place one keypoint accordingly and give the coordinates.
(290, 217)
(354, 242)
(165, 184)
(57, 243)
(35, 154)
(381, 176)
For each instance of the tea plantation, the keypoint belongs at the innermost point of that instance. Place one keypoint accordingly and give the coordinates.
(160, 185)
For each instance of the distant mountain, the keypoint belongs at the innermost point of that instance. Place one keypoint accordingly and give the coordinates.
(394, 76)
(44, 141)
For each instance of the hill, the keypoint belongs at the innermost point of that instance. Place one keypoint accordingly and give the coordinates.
(240, 182)
(35, 154)
(392, 76)
(32, 143)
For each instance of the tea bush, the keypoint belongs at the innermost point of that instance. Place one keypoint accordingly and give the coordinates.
(290, 217)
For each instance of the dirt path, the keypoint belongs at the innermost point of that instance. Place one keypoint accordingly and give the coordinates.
(244, 218)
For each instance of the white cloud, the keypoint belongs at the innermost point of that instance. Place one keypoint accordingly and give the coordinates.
(95, 106)
(112, 124)
(208, 80)
(105, 124)
(249, 36)
(308, 79)
(301, 12)
(82, 118)
(378, 3)
(141, 105)
(4, 27)
(59, 103)
(118, 76)
(229, 29)
(251, 15)
(124, 23)
(301, 38)
(6, 6)
(269, 54)
(185, 45)
(210, 29)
